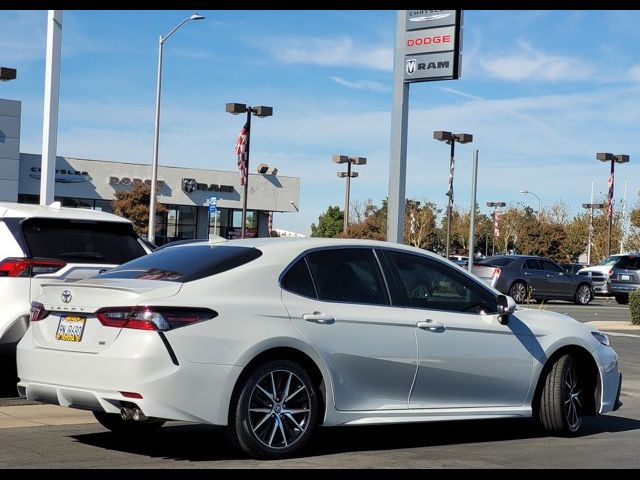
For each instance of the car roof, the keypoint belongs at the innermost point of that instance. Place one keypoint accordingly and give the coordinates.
(26, 210)
(292, 246)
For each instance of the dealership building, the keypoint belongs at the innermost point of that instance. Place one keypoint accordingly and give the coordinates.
(184, 192)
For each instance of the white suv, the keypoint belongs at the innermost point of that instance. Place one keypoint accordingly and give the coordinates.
(39, 244)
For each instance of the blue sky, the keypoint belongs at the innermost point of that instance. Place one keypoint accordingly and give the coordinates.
(541, 91)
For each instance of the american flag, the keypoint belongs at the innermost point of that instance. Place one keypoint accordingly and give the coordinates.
(450, 191)
(241, 151)
(496, 225)
(610, 199)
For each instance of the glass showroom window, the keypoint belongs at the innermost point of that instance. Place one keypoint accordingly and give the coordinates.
(178, 223)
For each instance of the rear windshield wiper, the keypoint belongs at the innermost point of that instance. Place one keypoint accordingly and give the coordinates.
(82, 255)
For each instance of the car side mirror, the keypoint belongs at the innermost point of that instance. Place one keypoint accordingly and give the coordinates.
(506, 306)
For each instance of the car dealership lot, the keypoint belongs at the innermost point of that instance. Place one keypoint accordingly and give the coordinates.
(607, 441)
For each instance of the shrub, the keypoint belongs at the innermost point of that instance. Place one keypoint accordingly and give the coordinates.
(634, 306)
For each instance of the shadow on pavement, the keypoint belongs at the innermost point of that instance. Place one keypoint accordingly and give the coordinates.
(8, 376)
(205, 443)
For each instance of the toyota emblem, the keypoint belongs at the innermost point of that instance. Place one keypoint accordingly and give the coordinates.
(66, 296)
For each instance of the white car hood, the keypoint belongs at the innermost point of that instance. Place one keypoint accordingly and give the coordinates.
(544, 322)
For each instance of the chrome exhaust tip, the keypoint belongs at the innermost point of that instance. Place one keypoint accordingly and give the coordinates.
(138, 416)
(126, 413)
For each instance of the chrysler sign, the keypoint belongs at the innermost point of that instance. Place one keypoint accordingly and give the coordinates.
(430, 18)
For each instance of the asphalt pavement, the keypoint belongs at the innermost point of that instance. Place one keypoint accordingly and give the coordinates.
(42, 435)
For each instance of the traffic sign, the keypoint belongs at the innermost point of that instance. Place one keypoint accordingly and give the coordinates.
(212, 204)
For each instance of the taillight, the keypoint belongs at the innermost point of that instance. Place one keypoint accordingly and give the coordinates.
(610, 273)
(496, 273)
(28, 267)
(153, 318)
(37, 312)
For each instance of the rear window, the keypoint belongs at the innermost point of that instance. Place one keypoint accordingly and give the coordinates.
(185, 264)
(76, 241)
(496, 262)
(629, 263)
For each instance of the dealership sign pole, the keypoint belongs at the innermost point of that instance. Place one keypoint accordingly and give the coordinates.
(428, 45)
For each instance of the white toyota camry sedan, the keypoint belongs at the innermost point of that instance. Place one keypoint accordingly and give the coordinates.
(273, 337)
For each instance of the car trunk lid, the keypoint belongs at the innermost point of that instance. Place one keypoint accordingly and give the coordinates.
(72, 324)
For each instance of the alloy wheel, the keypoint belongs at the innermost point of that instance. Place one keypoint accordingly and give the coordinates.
(572, 399)
(584, 294)
(279, 409)
(518, 292)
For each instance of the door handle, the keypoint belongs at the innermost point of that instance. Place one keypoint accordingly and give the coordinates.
(319, 317)
(431, 326)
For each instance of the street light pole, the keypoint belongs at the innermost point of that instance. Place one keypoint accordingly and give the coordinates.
(525, 191)
(606, 157)
(245, 194)
(151, 235)
(451, 139)
(472, 221)
(349, 175)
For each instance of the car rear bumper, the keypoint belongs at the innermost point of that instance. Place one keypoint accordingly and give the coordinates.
(193, 392)
(623, 287)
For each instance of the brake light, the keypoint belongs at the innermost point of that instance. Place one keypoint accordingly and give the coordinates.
(37, 312)
(610, 273)
(496, 273)
(28, 267)
(153, 318)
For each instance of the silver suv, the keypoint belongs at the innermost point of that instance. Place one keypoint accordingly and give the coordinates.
(625, 277)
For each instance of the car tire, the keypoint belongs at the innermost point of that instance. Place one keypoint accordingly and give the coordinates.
(118, 425)
(622, 298)
(518, 291)
(583, 295)
(266, 429)
(562, 398)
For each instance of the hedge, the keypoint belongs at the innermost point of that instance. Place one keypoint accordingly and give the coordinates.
(634, 306)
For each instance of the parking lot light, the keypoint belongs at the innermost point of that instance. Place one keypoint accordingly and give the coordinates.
(610, 157)
(348, 175)
(451, 139)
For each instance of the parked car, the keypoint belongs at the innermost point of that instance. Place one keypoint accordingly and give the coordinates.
(599, 274)
(537, 278)
(459, 260)
(573, 267)
(40, 244)
(272, 337)
(625, 277)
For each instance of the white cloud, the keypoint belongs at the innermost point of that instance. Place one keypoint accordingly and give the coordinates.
(634, 73)
(342, 51)
(531, 64)
(362, 84)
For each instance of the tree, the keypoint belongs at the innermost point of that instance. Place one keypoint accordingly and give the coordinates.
(134, 205)
(330, 223)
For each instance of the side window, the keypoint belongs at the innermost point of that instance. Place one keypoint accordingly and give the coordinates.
(532, 264)
(550, 266)
(425, 283)
(348, 275)
(298, 280)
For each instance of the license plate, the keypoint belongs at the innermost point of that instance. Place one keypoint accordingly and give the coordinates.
(70, 328)
(625, 277)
